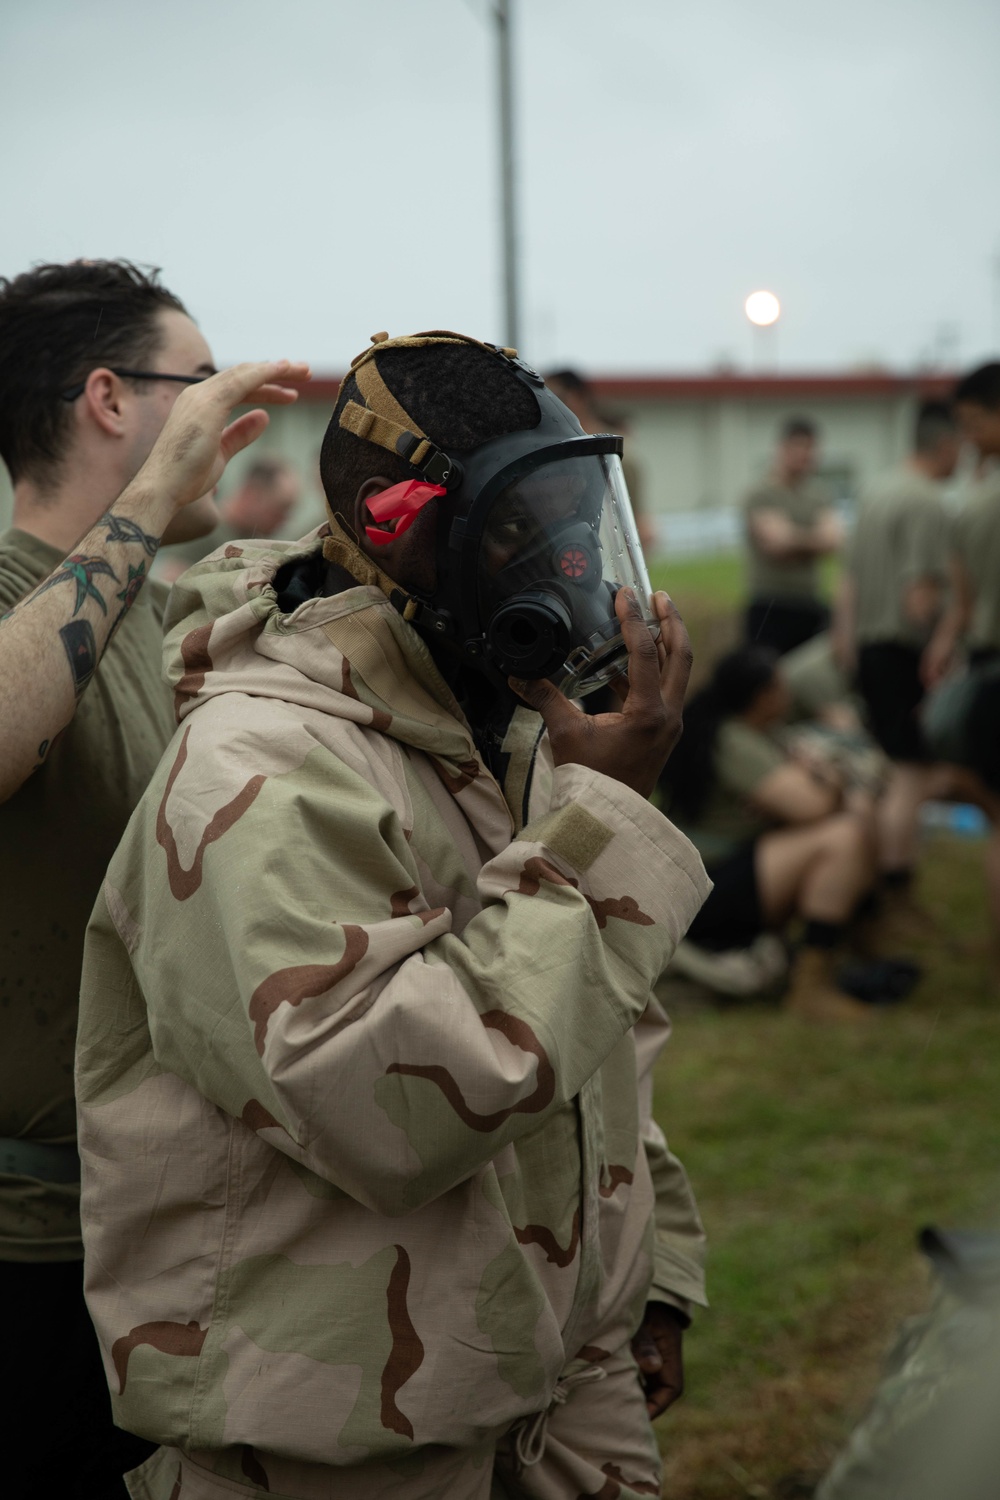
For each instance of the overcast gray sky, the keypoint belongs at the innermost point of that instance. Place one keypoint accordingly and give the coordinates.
(308, 171)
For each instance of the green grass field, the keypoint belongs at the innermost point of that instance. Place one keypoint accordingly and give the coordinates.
(816, 1155)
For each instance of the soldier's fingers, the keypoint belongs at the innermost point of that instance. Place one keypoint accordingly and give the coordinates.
(249, 381)
(645, 1352)
(546, 699)
(677, 667)
(643, 662)
(658, 1399)
(661, 609)
(241, 433)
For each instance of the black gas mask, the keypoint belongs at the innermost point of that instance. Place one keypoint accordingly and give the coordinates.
(535, 538)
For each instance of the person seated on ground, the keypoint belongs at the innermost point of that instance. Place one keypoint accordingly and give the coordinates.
(791, 526)
(892, 615)
(782, 831)
(374, 1206)
(820, 691)
(259, 507)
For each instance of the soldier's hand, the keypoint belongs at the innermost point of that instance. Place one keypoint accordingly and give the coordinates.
(658, 1351)
(198, 440)
(633, 745)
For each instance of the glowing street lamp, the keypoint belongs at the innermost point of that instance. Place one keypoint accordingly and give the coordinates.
(763, 309)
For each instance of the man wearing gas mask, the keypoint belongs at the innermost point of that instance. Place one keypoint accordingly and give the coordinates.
(373, 1200)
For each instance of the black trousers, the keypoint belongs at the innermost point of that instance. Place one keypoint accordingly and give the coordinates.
(56, 1389)
(782, 624)
(888, 679)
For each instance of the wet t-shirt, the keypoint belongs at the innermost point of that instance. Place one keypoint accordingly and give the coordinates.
(57, 835)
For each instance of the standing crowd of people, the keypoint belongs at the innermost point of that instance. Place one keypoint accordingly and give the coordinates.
(332, 925)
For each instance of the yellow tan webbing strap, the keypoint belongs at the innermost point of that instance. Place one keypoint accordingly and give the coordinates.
(341, 547)
(379, 398)
(372, 428)
(383, 420)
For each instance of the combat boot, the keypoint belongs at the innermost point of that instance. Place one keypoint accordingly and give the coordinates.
(899, 923)
(813, 993)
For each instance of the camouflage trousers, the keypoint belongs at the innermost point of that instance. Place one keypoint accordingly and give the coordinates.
(594, 1440)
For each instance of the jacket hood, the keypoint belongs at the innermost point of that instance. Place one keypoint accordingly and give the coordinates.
(351, 654)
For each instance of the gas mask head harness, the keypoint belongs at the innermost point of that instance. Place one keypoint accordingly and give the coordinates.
(535, 536)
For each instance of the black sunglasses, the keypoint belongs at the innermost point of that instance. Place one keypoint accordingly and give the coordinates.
(77, 390)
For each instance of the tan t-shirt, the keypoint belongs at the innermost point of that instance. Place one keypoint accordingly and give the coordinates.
(743, 758)
(795, 580)
(977, 540)
(57, 835)
(902, 534)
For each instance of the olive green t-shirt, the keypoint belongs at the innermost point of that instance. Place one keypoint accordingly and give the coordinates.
(977, 540)
(902, 534)
(742, 759)
(57, 835)
(795, 580)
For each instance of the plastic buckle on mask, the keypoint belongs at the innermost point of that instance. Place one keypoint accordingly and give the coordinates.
(435, 465)
(401, 503)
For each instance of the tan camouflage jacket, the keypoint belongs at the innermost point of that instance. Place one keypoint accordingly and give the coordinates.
(365, 1165)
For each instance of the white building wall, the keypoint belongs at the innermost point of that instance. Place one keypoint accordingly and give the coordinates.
(697, 453)
(705, 454)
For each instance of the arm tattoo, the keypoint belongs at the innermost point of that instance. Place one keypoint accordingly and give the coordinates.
(81, 649)
(82, 571)
(122, 529)
(129, 594)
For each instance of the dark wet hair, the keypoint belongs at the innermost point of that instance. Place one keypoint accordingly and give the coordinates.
(737, 681)
(57, 323)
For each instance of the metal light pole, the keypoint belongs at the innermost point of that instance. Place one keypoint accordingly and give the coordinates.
(511, 309)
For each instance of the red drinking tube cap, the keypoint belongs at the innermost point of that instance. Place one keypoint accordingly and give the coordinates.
(401, 503)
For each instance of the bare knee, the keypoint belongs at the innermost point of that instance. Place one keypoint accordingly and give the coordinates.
(848, 834)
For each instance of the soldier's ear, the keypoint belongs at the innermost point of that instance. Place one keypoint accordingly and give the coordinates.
(362, 515)
(409, 558)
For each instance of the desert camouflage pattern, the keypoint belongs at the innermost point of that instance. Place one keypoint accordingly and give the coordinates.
(364, 1074)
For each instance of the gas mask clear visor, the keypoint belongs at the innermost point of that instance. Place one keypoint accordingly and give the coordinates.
(556, 543)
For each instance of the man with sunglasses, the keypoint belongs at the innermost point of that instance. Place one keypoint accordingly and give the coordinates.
(93, 357)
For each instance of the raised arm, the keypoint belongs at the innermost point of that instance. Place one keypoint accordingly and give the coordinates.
(52, 641)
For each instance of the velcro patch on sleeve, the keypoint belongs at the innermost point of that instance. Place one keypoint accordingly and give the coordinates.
(572, 833)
